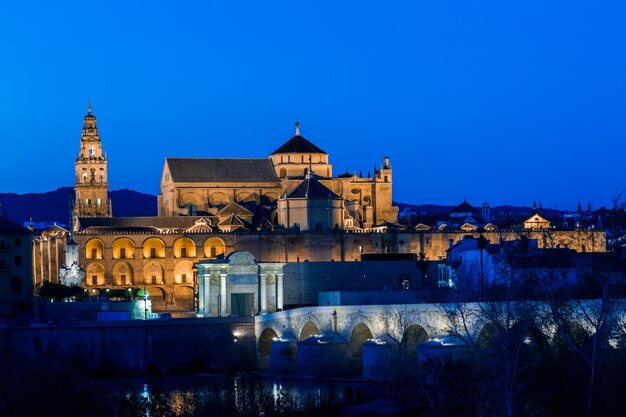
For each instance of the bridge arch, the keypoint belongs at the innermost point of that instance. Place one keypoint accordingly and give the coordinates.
(413, 336)
(486, 335)
(310, 328)
(359, 334)
(264, 347)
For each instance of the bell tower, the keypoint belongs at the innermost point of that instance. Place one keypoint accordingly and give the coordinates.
(92, 188)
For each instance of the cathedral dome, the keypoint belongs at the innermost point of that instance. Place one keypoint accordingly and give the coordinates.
(298, 144)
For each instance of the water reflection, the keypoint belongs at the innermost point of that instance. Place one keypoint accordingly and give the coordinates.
(240, 395)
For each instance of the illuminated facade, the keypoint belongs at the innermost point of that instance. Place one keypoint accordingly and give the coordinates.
(284, 208)
(92, 189)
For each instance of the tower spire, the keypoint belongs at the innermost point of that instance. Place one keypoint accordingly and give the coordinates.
(297, 128)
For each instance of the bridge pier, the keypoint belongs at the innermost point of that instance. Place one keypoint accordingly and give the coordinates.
(283, 355)
(323, 356)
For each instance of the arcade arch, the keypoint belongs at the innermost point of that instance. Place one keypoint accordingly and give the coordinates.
(153, 248)
(123, 274)
(94, 274)
(153, 274)
(123, 248)
(183, 272)
(94, 249)
(184, 248)
(214, 247)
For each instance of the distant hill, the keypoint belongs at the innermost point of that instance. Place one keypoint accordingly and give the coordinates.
(496, 211)
(53, 206)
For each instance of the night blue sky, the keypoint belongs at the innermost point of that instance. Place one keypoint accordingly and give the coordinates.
(503, 101)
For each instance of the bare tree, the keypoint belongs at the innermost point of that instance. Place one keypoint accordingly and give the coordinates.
(589, 328)
(501, 348)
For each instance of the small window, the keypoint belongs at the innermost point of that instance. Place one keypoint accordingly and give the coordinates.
(94, 280)
(123, 253)
(99, 202)
(18, 241)
(153, 252)
(387, 249)
(154, 279)
(183, 278)
(183, 252)
(87, 201)
(94, 253)
(18, 261)
(16, 284)
(122, 279)
(406, 284)
(360, 248)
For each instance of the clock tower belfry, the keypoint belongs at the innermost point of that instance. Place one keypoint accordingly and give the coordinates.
(92, 187)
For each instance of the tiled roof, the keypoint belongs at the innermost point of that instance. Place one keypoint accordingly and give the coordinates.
(234, 208)
(263, 224)
(298, 144)
(232, 220)
(221, 169)
(180, 222)
(200, 226)
(312, 188)
(464, 207)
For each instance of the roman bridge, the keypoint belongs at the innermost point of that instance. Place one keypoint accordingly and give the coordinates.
(313, 340)
(334, 333)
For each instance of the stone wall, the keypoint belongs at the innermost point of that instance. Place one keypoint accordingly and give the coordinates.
(122, 348)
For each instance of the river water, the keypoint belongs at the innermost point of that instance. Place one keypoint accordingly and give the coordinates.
(239, 394)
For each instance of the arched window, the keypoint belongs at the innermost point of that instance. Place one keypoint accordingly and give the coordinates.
(283, 172)
(184, 248)
(214, 247)
(153, 248)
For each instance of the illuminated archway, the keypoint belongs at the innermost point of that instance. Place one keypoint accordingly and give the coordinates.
(183, 299)
(123, 274)
(184, 248)
(123, 248)
(183, 272)
(94, 274)
(94, 249)
(153, 248)
(153, 273)
(214, 247)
